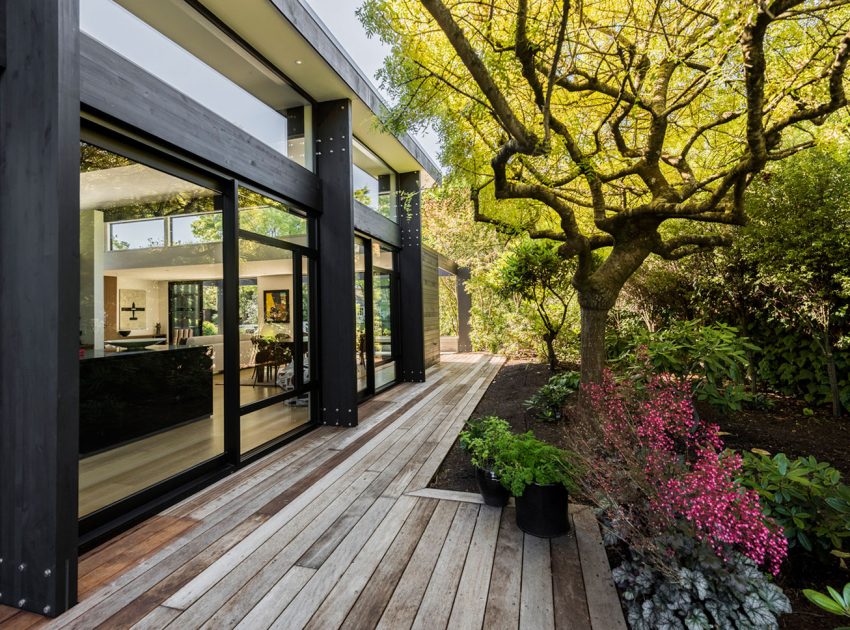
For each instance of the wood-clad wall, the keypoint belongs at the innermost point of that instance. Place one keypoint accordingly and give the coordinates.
(431, 306)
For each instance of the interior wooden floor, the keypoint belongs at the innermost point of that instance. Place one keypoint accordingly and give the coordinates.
(338, 529)
(120, 472)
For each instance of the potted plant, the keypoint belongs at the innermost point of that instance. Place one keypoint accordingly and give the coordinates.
(480, 439)
(540, 476)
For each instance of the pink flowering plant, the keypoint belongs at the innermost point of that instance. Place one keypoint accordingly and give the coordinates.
(670, 494)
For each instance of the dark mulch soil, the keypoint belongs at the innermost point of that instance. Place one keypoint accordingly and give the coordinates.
(783, 427)
(506, 396)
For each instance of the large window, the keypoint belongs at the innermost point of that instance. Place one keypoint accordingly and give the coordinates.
(157, 394)
(151, 395)
(267, 107)
(374, 182)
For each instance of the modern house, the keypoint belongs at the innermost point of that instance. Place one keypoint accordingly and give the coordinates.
(207, 248)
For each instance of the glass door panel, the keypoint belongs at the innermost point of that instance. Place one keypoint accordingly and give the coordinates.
(362, 351)
(265, 339)
(306, 320)
(151, 381)
(383, 291)
(274, 342)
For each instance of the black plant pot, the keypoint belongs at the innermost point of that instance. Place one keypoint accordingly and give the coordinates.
(492, 490)
(542, 510)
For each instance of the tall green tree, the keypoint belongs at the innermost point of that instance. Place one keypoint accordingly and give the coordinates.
(630, 127)
(534, 272)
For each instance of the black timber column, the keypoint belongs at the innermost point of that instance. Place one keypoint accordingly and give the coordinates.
(338, 405)
(410, 273)
(464, 306)
(39, 305)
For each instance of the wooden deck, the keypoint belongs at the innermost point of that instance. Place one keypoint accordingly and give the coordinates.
(339, 530)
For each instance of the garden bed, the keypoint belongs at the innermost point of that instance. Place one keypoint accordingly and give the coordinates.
(782, 427)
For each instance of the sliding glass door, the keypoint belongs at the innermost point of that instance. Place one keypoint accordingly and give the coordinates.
(196, 315)
(274, 365)
(151, 404)
(376, 298)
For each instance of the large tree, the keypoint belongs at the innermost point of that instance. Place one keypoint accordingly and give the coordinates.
(619, 128)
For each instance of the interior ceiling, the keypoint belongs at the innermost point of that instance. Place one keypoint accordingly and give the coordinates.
(123, 185)
(263, 26)
(212, 271)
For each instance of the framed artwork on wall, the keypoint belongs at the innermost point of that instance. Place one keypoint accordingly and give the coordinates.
(132, 314)
(276, 306)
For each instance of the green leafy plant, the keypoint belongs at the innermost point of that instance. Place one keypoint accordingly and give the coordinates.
(835, 603)
(806, 497)
(714, 356)
(522, 460)
(535, 273)
(209, 328)
(698, 590)
(548, 401)
(480, 436)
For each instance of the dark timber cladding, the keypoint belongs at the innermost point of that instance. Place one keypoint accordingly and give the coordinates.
(431, 306)
(410, 272)
(39, 305)
(338, 405)
(376, 225)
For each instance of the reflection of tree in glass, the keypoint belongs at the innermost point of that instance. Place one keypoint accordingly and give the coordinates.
(210, 300)
(193, 201)
(248, 310)
(362, 195)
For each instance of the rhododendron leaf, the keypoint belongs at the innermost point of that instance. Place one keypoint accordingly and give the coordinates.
(836, 596)
(822, 601)
(838, 504)
(804, 540)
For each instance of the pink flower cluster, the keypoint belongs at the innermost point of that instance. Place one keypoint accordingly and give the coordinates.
(690, 480)
(721, 512)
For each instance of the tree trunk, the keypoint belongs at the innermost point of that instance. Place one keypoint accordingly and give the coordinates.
(550, 352)
(832, 372)
(593, 353)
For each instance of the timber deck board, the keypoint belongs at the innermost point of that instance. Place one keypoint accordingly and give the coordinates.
(339, 530)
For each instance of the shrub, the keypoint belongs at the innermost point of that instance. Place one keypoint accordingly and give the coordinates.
(548, 402)
(714, 357)
(699, 590)
(693, 536)
(521, 460)
(209, 328)
(792, 363)
(480, 436)
(804, 496)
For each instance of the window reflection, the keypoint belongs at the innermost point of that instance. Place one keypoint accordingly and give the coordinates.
(383, 288)
(151, 395)
(269, 322)
(374, 182)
